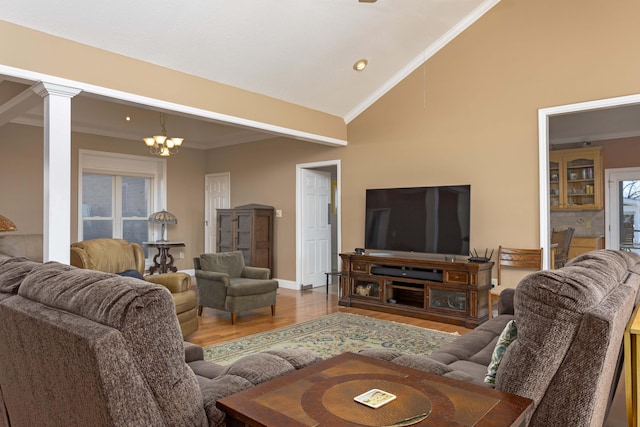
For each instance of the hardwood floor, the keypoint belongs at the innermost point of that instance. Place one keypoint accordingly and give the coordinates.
(293, 307)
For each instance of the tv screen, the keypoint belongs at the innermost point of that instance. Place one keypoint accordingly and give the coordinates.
(433, 220)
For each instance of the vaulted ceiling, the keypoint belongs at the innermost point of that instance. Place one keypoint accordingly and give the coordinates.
(299, 51)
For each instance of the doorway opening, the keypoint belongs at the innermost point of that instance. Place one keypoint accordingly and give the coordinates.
(543, 157)
(317, 222)
(622, 215)
(217, 189)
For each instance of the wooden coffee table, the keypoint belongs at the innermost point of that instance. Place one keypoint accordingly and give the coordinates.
(322, 395)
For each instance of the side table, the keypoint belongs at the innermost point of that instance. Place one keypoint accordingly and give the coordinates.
(166, 259)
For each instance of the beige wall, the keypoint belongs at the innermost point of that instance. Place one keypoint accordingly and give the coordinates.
(469, 116)
(21, 175)
(22, 201)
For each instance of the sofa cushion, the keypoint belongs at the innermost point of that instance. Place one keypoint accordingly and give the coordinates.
(243, 287)
(508, 335)
(231, 263)
(12, 273)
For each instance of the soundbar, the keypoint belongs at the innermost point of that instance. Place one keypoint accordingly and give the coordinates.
(432, 275)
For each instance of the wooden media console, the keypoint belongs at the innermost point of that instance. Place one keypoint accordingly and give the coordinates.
(443, 291)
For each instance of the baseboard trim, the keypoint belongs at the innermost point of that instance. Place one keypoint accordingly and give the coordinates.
(288, 284)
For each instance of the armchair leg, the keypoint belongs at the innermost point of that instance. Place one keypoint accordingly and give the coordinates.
(199, 310)
(233, 318)
(273, 310)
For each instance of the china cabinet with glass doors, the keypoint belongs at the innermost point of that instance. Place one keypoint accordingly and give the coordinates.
(575, 179)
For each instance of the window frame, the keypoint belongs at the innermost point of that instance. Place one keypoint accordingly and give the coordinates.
(115, 164)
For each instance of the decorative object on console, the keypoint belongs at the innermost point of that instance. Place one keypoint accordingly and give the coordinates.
(474, 257)
(163, 217)
(6, 224)
(161, 145)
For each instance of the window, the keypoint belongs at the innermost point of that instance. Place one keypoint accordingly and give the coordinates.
(117, 193)
(116, 206)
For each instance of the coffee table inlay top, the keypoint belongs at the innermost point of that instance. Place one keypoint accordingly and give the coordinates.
(322, 395)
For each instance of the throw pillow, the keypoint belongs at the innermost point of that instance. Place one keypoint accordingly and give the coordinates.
(508, 335)
(131, 273)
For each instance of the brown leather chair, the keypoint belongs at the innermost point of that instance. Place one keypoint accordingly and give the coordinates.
(118, 256)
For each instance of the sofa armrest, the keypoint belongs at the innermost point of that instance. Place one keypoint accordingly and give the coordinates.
(256, 273)
(214, 276)
(175, 282)
(192, 352)
(505, 303)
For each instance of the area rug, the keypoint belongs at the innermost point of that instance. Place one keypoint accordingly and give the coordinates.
(334, 334)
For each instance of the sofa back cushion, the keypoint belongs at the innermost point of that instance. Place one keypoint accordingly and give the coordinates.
(22, 245)
(12, 273)
(231, 263)
(62, 369)
(144, 315)
(570, 327)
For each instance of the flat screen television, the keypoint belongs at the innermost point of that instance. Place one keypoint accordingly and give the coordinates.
(431, 220)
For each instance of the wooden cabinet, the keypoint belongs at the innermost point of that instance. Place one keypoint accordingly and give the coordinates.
(450, 292)
(580, 245)
(575, 179)
(248, 229)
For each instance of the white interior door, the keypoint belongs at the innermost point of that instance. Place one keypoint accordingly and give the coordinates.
(217, 196)
(622, 213)
(316, 228)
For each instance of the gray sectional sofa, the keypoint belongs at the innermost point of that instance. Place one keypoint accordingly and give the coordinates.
(85, 348)
(80, 347)
(566, 357)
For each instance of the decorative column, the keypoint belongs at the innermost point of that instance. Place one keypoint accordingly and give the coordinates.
(57, 170)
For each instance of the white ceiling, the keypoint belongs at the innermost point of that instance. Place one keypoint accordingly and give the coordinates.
(300, 51)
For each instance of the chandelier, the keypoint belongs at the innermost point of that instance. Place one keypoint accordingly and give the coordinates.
(161, 145)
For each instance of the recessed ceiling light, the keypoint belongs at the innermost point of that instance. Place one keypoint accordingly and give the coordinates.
(128, 118)
(360, 64)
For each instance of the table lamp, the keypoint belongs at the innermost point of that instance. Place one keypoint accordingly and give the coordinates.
(6, 224)
(163, 217)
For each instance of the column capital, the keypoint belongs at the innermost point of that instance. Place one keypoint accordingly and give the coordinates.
(45, 89)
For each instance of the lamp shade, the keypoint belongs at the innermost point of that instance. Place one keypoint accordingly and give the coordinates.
(163, 217)
(6, 224)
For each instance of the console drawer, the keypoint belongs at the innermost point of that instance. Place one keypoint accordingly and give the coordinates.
(461, 277)
(359, 267)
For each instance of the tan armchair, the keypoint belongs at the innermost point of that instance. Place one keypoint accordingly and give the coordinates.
(118, 256)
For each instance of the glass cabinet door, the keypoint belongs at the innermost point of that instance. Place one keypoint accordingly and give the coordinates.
(580, 182)
(448, 299)
(554, 183)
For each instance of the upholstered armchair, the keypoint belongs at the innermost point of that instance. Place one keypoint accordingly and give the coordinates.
(119, 256)
(225, 283)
